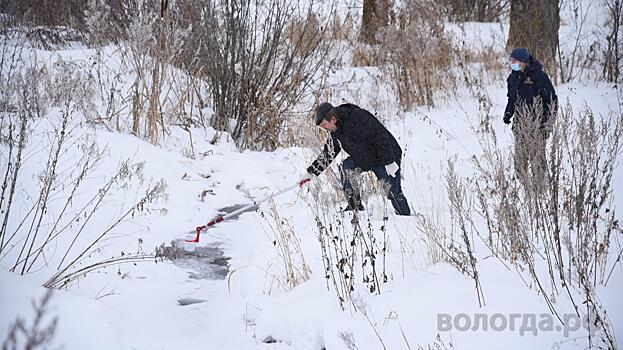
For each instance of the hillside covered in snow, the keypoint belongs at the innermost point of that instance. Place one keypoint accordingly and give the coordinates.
(130, 125)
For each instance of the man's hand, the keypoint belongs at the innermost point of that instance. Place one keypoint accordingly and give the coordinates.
(305, 177)
(392, 169)
(507, 118)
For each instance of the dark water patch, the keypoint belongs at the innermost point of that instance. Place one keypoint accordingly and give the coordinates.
(233, 208)
(189, 301)
(204, 262)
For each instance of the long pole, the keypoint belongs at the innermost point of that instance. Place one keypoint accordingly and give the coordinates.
(255, 203)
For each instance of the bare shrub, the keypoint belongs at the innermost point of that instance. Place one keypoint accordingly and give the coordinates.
(16, 140)
(169, 47)
(29, 100)
(577, 55)
(31, 236)
(47, 27)
(40, 235)
(301, 33)
(455, 247)
(554, 221)
(149, 55)
(40, 13)
(51, 26)
(353, 249)
(480, 68)
(108, 21)
(256, 73)
(596, 53)
(366, 55)
(39, 335)
(11, 49)
(342, 30)
(161, 92)
(65, 275)
(69, 86)
(474, 10)
(295, 269)
(463, 255)
(419, 53)
(64, 281)
(613, 59)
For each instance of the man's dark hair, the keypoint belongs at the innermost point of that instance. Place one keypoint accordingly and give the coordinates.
(322, 112)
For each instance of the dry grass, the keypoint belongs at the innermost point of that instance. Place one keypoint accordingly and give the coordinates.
(419, 54)
(552, 220)
(353, 247)
(38, 335)
(294, 269)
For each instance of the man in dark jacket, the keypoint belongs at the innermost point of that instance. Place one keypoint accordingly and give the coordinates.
(370, 146)
(532, 101)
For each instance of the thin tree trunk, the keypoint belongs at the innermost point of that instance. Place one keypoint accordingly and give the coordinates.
(375, 16)
(534, 24)
(154, 114)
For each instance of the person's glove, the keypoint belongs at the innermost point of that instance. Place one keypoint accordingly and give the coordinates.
(305, 177)
(392, 169)
(507, 119)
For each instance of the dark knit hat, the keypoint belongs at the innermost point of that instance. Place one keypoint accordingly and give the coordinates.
(321, 111)
(521, 54)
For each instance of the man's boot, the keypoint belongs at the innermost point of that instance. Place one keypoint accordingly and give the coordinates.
(354, 202)
(400, 204)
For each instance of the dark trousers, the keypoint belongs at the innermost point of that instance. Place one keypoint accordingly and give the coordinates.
(530, 142)
(348, 170)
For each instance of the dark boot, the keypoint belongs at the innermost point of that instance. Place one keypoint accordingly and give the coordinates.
(354, 202)
(400, 204)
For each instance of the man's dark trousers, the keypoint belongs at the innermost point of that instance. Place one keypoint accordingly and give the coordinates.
(395, 195)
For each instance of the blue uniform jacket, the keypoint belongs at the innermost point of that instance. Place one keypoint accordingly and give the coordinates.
(528, 87)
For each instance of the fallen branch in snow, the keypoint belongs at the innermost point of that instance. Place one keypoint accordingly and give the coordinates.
(62, 281)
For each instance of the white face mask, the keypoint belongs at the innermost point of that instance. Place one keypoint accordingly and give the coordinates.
(516, 67)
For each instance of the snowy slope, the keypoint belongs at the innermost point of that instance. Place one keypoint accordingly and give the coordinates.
(136, 306)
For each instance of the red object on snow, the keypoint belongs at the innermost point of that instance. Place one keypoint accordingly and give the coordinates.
(242, 210)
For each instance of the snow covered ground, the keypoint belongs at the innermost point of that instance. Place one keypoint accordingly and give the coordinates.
(136, 306)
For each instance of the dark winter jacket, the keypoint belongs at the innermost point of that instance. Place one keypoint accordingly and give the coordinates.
(528, 87)
(363, 137)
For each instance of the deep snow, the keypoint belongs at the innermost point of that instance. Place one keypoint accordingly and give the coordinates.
(135, 306)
